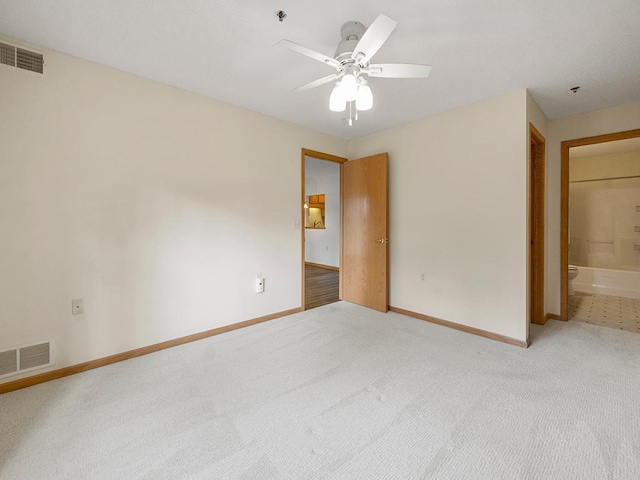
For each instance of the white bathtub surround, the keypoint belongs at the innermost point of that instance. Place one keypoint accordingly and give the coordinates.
(606, 310)
(604, 222)
(608, 282)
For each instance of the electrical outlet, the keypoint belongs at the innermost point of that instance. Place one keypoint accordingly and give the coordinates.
(77, 306)
(422, 277)
(259, 284)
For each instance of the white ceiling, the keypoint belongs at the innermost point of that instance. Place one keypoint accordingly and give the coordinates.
(478, 49)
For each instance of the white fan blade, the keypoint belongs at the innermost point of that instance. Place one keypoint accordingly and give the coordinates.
(398, 70)
(320, 81)
(309, 53)
(373, 38)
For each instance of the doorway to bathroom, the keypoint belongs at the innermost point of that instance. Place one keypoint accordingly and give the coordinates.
(600, 234)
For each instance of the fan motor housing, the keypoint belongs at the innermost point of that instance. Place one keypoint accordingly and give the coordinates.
(351, 33)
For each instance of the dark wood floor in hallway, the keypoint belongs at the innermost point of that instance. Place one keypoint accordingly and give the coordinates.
(321, 286)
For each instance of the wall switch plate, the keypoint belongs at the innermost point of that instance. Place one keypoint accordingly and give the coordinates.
(77, 306)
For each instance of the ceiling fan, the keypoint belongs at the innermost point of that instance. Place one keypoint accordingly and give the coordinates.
(352, 61)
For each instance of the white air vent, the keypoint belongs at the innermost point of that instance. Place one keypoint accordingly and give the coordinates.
(7, 54)
(21, 58)
(8, 362)
(25, 358)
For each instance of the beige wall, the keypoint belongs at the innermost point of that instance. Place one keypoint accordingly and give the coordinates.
(323, 245)
(144, 200)
(537, 118)
(458, 213)
(610, 120)
(623, 164)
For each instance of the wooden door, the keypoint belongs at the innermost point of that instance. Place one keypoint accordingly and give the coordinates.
(364, 267)
(536, 226)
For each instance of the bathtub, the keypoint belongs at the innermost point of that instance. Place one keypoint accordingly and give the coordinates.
(621, 283)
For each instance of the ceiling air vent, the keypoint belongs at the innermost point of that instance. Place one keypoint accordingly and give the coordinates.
(25, 358)
(21, 58)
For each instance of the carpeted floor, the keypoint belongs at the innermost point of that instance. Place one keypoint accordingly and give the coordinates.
(341, 392)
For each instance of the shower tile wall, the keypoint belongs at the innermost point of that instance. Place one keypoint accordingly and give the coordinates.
(603, 220)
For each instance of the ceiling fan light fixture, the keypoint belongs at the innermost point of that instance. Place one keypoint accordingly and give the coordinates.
(364, 99)
(337, 102)
(352, 62)
(349, 85)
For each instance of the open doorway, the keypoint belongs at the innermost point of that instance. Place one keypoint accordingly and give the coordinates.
(600, 236)
(321, 232)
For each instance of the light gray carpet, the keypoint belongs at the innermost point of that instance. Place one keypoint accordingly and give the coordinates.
(341, 392)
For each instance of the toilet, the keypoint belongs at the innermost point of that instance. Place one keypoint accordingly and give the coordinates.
(573, 273)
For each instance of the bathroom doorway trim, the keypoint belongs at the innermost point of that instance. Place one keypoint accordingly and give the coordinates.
(564, 206)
